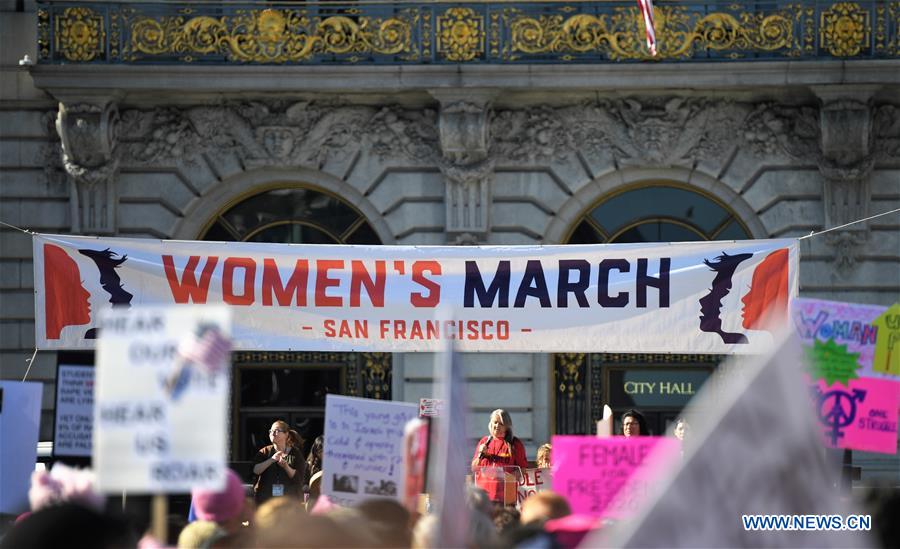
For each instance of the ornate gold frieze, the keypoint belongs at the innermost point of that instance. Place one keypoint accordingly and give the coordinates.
(43, 34)
(844, 29)
(570, 372)
(888, 15)
(376, 374)
(80, 34)
(620, 35)
(460, 34)
(270, 35)
(492, 32)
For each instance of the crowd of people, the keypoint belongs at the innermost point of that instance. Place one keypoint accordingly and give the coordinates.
(284, 507)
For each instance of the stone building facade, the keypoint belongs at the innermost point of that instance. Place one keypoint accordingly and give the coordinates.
(459, 152)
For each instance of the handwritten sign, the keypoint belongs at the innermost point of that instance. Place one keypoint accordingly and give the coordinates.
(74, 410)
(861, 415)
(843, 331)
(431, 407)
(364, 448)
(887, 347)
(161, 401)
(532, 482)
(608, 477)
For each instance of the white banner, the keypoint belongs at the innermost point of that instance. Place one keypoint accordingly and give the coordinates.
(693, 297)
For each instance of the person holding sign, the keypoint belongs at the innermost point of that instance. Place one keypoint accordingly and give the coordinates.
(499, 449)
(279, 467)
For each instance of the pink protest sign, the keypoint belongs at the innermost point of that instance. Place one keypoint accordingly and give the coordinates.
(833, 328)
(859, 416)
(609, 477)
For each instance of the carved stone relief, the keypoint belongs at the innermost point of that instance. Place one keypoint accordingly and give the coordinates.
(464, 131)
(88, 136)
(844, 138)
(278, 133)
(671, 131)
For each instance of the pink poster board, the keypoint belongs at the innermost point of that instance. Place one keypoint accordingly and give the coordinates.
(609, 477)
(858, 416)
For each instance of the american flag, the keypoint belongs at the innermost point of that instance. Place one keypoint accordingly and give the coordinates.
(208, 348)
(647, 12)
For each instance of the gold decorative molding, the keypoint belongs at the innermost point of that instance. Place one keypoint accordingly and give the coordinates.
(376, 374)
(271, 35)
(620, 35)
(460, 34)
(570, 371)
(80, 34)
(844, 29)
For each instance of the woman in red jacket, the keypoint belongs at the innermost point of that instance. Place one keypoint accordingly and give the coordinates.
(499, 449)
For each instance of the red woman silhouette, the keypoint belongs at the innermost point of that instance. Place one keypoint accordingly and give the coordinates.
(66, 301)
(766, 304)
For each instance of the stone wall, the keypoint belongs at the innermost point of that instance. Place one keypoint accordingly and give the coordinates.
(447, 165)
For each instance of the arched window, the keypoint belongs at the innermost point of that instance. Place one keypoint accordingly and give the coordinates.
(293, 385)
(657, 213)
(292, 216)
(585, 382)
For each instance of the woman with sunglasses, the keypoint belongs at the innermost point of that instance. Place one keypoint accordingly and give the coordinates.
(279, 467)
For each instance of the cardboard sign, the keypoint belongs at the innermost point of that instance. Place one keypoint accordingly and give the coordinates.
(431, 407)
(532, 482)
(860, 416)
(679, 297)
(161, 400)
(364, 448)
(607, 477)
(73, 429)
(20, 418)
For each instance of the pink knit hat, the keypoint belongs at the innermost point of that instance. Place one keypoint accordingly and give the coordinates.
(220, 506)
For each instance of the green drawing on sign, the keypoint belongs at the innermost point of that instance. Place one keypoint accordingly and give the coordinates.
(887, 343)
(832, 362)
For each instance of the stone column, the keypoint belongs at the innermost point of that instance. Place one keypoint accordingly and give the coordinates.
(88, 134)
(464, 129)
(845, 162)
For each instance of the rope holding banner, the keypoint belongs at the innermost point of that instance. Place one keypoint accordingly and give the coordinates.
(848, 224)
(30, 362)
(26, 231)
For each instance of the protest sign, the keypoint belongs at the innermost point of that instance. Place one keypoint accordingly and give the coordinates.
(754, 451)
(430, 407)
(450, 450)
(887, 347)
(415, 462)
(680, 297)
(842, 338)
(74, 410)
(20, 417)
(606, 477)
(861, 415)
(364, 448)
(848, 349)
(532, 482)
(161, 399)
